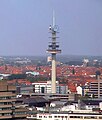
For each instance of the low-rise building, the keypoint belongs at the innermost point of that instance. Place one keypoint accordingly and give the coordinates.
(45, 87)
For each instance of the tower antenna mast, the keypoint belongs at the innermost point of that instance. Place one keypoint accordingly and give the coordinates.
(53, 24)
(53, 49)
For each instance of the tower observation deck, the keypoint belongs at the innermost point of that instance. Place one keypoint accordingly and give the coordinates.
(53, 49)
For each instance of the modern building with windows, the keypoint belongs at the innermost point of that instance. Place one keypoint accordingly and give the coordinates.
(45, 87)
(8, 103)
(96, 88)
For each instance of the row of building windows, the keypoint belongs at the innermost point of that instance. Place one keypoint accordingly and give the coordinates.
(7, 108)
(17, 113)
(5, 114)
(5, 103)
(6, 98)
(14, 113)
(85, 117)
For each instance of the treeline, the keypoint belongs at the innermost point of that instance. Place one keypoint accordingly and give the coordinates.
(37, 78)
(17, 76)
(30, 78)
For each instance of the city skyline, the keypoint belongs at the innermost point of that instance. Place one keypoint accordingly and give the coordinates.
(24, 26)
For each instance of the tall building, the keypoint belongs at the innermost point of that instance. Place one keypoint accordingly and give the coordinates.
(8, 106)
(85, 62)
(96, 88)
(53, 50)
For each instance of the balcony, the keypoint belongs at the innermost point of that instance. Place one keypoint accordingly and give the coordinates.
(11, 88)
(3, 88)
(7, 94)
(8, 100)
(5, 106)
(20, 116)
(5, 111)
(5, 117)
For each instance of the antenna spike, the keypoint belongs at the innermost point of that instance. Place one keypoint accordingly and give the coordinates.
(53, 18)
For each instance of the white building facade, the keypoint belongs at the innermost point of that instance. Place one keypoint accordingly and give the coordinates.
(45, 87)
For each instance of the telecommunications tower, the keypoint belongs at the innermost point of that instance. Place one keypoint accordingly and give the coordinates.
(53, 49)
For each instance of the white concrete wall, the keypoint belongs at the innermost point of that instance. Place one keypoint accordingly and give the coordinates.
(79, 90)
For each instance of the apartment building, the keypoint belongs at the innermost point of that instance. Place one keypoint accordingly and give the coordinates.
(8, 105)
(96, 88)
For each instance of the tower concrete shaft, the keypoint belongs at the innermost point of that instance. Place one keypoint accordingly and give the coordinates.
(53, 83)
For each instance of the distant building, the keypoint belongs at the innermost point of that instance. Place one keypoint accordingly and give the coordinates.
(85, 62)
(83, 90)
(79, 90)
(25, 89)
(32, 73)
(49, 59)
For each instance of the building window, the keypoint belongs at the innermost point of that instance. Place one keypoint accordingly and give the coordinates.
(7, 114)
(76, 116)
(45, 116)
(50, 116)
(90, 117)
(40, 116)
